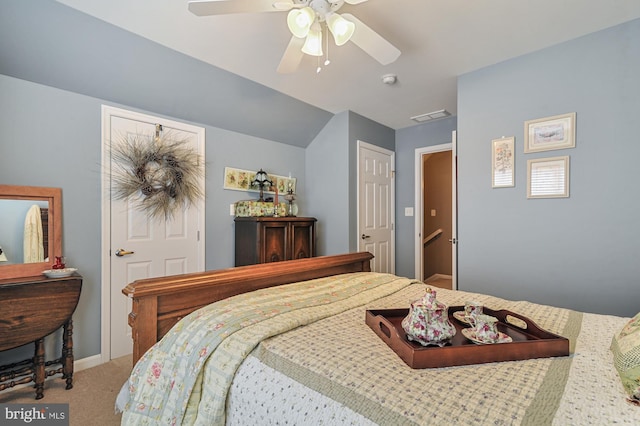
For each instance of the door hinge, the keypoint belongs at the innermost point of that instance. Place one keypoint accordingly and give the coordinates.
(198, 236)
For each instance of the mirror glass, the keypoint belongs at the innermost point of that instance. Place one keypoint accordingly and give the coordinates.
(30, 230)
(24, 229)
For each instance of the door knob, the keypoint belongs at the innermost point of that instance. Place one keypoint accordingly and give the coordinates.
(122, 252)
(364, 237)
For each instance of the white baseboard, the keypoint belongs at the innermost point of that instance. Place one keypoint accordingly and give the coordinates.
(84, 363)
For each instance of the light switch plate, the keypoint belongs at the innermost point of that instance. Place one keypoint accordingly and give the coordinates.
(408, 211)
(232, 209)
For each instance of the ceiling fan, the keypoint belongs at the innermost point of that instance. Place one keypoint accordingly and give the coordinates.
(305, 20)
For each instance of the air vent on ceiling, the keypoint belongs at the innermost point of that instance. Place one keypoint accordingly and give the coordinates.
(431, 115)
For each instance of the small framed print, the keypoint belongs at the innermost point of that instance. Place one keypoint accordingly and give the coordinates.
(546, 134)
(502, 163)
(548, 177)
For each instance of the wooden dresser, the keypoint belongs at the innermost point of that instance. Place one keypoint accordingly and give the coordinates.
(30, 309)
(273, 239)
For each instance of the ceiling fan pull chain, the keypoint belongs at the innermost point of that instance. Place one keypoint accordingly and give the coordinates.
(327, 61)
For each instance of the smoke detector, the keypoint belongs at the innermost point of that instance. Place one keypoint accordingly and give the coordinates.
(389, 78)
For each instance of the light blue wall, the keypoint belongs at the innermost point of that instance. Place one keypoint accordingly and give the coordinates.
(580, 252)
(327, 190)
(230, 149)
(52, 137)
(407, 141)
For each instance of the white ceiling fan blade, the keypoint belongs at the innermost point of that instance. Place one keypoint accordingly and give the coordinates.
(372, 42)
(292, 56)
(223, 7)
(354, 1)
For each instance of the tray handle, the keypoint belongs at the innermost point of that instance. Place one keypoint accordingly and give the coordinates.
(515, 321)
(385, 329)
(524, 323)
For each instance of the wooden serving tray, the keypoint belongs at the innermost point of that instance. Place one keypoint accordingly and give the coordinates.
(529, 340)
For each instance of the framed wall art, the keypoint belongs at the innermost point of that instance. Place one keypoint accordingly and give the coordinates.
(502, 162)
(240, 180)
(549, 133)
(548, 177)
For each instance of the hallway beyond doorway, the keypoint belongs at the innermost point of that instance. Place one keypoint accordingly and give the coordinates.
(440, 281)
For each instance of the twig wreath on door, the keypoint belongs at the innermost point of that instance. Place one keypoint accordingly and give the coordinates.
(160, 173)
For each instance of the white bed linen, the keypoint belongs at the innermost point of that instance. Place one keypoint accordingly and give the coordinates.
(276, 399)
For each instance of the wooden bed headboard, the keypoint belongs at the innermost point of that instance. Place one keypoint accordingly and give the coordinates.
(159, 303)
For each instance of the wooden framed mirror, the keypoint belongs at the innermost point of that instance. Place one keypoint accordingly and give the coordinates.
(51, 199)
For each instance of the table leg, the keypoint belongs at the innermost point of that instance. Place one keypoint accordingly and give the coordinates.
(38, 365)
(67, 354)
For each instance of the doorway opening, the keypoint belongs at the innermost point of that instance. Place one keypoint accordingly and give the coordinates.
(435, 220)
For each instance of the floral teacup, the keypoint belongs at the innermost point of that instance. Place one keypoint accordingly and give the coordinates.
(486, 328)
(471, 310)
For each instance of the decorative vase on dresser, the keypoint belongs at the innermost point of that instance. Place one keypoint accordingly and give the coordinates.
(274, 239)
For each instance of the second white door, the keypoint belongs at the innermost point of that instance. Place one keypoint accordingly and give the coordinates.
(376, 201)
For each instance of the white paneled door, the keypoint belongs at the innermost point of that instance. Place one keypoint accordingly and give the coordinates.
(376, 205)
(140, 246)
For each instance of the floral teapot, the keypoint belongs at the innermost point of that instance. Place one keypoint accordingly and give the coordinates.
(428, 321)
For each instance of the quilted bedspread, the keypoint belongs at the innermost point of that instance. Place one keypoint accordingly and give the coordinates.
(185, 377)
(388, 392)
(362, 381)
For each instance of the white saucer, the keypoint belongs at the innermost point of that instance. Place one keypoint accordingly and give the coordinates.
(59, 273)
(460, 316)
(471, 335)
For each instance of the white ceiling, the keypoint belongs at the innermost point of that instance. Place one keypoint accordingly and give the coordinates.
(439, 40)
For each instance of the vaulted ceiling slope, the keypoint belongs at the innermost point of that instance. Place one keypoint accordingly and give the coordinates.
(221, 70)
(439, 40)
(49, 43)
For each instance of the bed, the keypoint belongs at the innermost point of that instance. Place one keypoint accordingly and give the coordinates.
(287, 343)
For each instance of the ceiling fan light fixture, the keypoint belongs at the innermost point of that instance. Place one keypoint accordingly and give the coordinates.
(300, 21)
(341, 29)
(313, 43)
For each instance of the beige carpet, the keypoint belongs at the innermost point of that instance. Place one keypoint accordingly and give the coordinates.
(92, 399)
